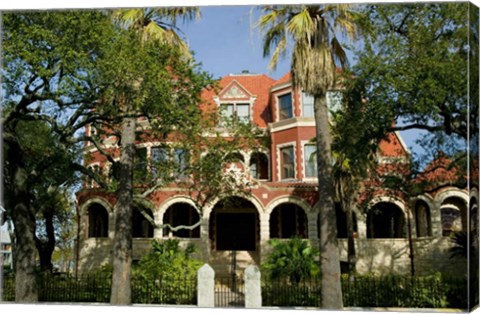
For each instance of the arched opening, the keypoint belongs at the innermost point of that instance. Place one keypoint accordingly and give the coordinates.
(474, 215)
(234, 225)
(342, 230)
(453, 215)
(141, 227)
(385, 221)
(288, 220)
(97, 221)
(259, 166)
(423, 220)
(181, 214)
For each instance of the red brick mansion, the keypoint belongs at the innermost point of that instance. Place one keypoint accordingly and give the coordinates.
(284, 200)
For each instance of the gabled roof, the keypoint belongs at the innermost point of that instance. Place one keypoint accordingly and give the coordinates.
(255, 85)
(393, 146)
(234, 90)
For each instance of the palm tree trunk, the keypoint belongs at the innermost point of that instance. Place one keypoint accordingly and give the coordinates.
(122, 246)
(329, 255)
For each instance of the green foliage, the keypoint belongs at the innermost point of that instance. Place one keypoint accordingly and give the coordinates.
(412, 70)
(294, 259)
(462, 244)
(367, 291)
(169, 269)
(168, 259)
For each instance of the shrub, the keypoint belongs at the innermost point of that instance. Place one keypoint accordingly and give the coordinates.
(294, 259)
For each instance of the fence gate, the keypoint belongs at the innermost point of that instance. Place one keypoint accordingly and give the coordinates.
(229, 292)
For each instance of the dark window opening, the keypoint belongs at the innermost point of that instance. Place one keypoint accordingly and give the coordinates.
(181, 214)
(97, 221)
(385, 221)
(342, 230)
(259, 166)
(288, 221)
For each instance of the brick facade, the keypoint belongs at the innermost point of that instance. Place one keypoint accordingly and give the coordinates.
(280, 206)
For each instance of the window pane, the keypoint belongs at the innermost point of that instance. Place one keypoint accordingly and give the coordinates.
(159, 159)
(227, 110)
(308, 105)
(140, 170)
(181, 160)
(334, 100)
(243, 112)
(310, 161)
(287, 163)
(286, 110)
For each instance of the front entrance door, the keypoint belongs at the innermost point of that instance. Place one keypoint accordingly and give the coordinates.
(236, 231)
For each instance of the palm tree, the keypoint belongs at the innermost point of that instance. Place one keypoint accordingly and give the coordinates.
(316, 55)
(150, 24)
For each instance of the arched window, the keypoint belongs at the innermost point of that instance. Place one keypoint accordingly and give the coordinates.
(141, 227)
(288, 221)
(385, 220)
(97, 221)
(423, 220)
(259, 166)
(181, 214)
(453, 215)
(342, 230)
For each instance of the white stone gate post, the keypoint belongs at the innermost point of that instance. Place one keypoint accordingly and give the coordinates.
(206, 286)
(253, 290)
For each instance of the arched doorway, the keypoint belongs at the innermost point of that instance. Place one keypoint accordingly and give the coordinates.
(234, 225)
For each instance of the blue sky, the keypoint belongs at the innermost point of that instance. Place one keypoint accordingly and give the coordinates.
(225, 41)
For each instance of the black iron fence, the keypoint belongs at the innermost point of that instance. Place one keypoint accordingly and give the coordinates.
(96, 289)
(370, 291)
(361, 291)
(229, 292)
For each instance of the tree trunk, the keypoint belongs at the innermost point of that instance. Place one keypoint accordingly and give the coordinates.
(122, 246)
(23, 218)
(329, 255)
(45, 248)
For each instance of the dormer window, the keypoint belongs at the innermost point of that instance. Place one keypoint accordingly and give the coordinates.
(285, 105)
(240, 111)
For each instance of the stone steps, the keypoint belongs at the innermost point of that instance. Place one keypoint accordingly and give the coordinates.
(221, 262)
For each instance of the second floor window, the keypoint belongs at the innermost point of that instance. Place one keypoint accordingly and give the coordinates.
(287, 163)
(285, 105)
(307, 101)
(310, 161)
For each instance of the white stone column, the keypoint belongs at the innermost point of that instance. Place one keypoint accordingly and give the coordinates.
(436, 218)
(264, 233)
(206, 286)
(253, 291)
